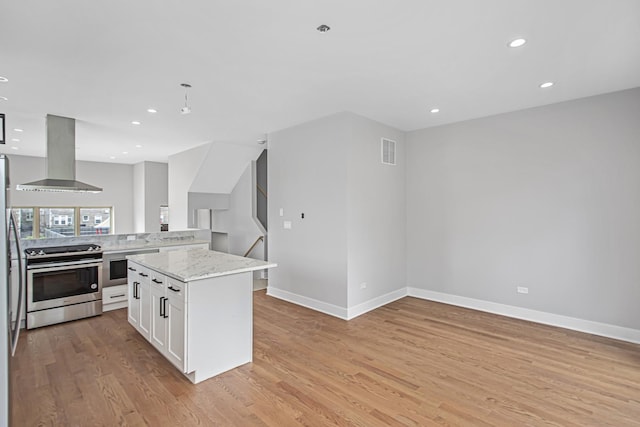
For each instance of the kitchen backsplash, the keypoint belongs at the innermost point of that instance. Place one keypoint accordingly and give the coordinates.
(121, 241)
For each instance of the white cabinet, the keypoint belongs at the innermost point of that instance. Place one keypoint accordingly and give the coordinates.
(176, 312)
(133, 284)
(168, 318)
(203, 327)
(114, 297)
(158, 306)
(139, 314)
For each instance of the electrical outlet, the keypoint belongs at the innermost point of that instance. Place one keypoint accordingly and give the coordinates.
(523, 290)
(363, 285)
(133, 237)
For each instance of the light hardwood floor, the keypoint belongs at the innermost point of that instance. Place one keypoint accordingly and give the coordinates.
(412, 362)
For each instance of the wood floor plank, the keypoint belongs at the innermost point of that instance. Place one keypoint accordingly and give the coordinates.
(410, 363)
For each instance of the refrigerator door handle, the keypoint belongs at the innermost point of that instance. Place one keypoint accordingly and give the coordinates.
(15, 332)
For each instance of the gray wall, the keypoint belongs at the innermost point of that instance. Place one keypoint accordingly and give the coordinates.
(139, 219)
(242, 227)
(216, 202)
(115, 179)
(308, 174)
(156, 190)
(546, 198)
(150, 191)
(376, 208)
(353, 230)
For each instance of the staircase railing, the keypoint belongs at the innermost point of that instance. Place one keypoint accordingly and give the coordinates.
(258, 240)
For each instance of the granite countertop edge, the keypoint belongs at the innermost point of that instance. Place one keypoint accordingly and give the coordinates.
(200, 258)
(134, 245)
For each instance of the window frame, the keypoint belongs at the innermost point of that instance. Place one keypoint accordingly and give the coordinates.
(76, 220)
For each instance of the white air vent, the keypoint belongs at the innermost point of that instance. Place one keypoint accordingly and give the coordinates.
(388, 151)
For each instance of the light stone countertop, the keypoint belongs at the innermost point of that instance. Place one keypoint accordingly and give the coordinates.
(197, 264)
(132, 245)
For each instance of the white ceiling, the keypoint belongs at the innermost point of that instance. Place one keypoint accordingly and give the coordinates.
(258, 66)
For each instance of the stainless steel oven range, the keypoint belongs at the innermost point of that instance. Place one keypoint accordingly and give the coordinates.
(63, 283)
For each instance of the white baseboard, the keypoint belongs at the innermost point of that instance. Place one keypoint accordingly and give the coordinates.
(334, 310)
(374, 303)
(314, 304)
(581, 325)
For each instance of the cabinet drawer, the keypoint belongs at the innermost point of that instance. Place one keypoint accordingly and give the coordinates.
(176, 290)
(157, 279)
(115, 297)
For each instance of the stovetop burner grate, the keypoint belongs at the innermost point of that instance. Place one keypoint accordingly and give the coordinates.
(53, 251)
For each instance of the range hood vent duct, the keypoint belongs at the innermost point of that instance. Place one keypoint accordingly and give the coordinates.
(61, 160)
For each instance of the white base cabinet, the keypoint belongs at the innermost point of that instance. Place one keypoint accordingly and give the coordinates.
(139, 307)
(114, 297)
(203, 327)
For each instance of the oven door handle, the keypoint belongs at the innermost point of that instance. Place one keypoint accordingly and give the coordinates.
(69, 265)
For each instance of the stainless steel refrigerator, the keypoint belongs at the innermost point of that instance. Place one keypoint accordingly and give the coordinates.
(11, 296)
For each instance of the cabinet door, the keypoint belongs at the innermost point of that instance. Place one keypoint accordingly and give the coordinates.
(134, 303)
(158, 321)
(144, 325)
(176, 336)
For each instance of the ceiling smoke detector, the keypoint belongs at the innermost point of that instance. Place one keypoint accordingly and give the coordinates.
(186, 109)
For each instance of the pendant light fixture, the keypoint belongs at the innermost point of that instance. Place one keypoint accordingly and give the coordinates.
(186, 109)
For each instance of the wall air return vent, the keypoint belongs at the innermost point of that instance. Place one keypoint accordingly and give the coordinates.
(388, 151)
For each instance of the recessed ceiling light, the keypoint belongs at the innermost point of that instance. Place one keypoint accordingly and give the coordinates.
(517, 43)
(435, 110)
(3, 79)
(546, 85)
(15, 139)
(135, 122)
(17, 130)
(125, 152)
(14, 148)
(138, 146)
(4, 98)
(112, 157)
(152, 110)
(323, 28)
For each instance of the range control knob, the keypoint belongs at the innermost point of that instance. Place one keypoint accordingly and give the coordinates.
(32, 253)
(41, 252)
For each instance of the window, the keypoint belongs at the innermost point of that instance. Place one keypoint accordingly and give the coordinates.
(56, 222)
(43, 222)
(164, 218)
(24, 222)
(99, 221)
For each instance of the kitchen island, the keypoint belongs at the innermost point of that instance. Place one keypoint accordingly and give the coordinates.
(195, 307)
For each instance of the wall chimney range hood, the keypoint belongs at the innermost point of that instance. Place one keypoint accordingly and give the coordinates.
(61, 160)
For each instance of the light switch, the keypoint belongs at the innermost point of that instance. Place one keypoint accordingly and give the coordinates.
(281, 211)
(287, 225)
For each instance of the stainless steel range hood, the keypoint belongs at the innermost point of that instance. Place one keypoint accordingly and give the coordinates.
(61, 160)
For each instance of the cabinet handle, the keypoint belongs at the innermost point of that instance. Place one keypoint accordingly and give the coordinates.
(156, 281)
(162, 306)
(171, 288)
(135, 290)
(143, 275)
(132, 269)
(166, 316)
(116, 296)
